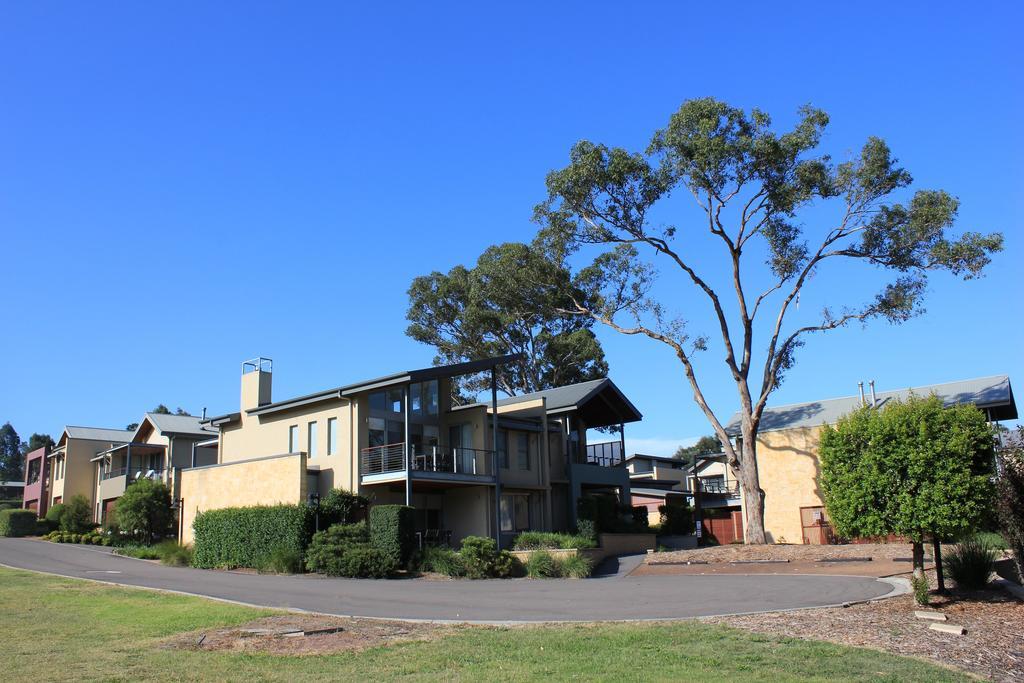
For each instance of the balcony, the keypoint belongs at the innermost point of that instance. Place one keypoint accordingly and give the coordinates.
(379, 464)
(607, 454)
(719, 487)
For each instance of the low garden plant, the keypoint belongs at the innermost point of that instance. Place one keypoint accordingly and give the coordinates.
(282, 561)
(971, 563)
(546, 540)
(441, 560)
(541, 564)
(345, 550)
(483, 560)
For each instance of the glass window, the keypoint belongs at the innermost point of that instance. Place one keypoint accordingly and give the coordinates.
(503, 449)
(431, 436)
(515, 512)
(311, 439)
(293, 439)
(378, 401)
(378, 433)
(332, 435)
(395, 400)
(396, 432)
(415, 399)
(523, 451)
(431, 397)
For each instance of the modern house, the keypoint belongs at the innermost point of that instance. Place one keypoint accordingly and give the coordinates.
(159, 448)
(35, 492)
(658, 480)
(787, 449)
(71, 468)
(492, 468)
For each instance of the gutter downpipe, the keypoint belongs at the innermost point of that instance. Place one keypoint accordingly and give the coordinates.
(406, 446)
(494, 454)
(874, 399)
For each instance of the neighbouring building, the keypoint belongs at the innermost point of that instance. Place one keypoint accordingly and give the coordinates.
(71, 468)
(159, 448)
(787, 449)
(35, 493)
(491, 469)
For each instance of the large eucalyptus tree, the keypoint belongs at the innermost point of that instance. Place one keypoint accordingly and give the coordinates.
(753, 187)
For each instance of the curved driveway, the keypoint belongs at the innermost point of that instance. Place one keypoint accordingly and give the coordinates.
(495, 601)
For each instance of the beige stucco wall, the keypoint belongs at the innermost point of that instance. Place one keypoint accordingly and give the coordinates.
(266, 481)
(788, 467)
(79, 473)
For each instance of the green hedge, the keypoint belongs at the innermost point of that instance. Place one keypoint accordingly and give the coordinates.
(546, 540)
(676, 519)
(393, 531)
(248, 536)
(17, 522)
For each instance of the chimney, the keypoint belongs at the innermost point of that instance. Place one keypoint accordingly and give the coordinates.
(256, 376)
(874, 399)
(860, 386)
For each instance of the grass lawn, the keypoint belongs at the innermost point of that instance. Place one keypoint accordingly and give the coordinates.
(64, 629)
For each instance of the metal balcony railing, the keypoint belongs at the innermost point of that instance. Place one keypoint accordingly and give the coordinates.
(718, 486)
(114, 472)
(453, 460)
(607, 454)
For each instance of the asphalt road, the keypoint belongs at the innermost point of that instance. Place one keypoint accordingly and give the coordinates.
(614, 597)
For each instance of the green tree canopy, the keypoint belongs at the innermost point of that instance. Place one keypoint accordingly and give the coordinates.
(512, 301)
(706, 445)
(11, 458)
(913, 468)
(144, 510)
(780, 212)
(37, 441)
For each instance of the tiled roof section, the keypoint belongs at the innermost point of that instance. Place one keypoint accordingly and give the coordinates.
(993, 393)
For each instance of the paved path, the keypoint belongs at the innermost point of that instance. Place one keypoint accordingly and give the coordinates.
(614, 597)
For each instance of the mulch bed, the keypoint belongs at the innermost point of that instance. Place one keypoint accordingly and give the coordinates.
(739, 552)
(993, 646)
(264, 635)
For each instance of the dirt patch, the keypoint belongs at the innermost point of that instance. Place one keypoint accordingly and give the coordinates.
(275, 635)
(807, 553)
(993, 646)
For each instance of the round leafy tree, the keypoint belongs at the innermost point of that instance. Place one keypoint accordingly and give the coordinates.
(145, 509)
(914, 468)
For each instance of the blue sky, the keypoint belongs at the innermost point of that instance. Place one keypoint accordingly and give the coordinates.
(184, 186)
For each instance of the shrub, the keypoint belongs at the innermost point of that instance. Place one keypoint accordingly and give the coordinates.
(971, 563)
(77, 515)
(17, 522)
(344, 550)
(575, 567)
(676, 519)
(993, 539)
(44, 527)
(919, 584)
(341, 507)
(641, 520)
(482, 559)
(1010, 500)
(393, 531)
(610, 516)
(441, 561)
(587, 529)
(144, 510)
(541, 565)
(141, 552)
(543, 540)
(283, 561)
(246, 537)
(55, 513)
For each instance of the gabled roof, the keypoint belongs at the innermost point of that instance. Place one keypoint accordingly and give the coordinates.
(96, 434)
(597, 399)
(992, 394)
(187, 425)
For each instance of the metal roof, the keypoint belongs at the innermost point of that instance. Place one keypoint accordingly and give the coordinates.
(656, 493)
(573, 397)
(398, 378)
(188, 425)
(991, 393)
(98, 433)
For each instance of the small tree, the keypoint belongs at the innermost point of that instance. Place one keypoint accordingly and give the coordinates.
(11, 459)
(1010, 498)
(145, 509)
(914, 468)
(77, 515)
(706, 445)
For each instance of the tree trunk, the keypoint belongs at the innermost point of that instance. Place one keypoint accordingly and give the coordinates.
(917, 548)
(753, 496)
(940, 579)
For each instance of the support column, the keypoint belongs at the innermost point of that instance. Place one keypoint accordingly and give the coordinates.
(128, 462)
(497, 464)
(406, 446)
(545, 449)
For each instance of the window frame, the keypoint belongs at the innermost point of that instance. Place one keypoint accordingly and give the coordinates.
(293, 438)
(332, 436)
(311, 438)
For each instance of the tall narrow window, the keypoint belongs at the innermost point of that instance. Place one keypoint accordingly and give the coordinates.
(311, 439)
(523, 451)
(293, 439)
(503, 449)
(332, 435)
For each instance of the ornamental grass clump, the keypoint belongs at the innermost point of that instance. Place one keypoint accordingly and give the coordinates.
(541, 565)
(971, 563)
